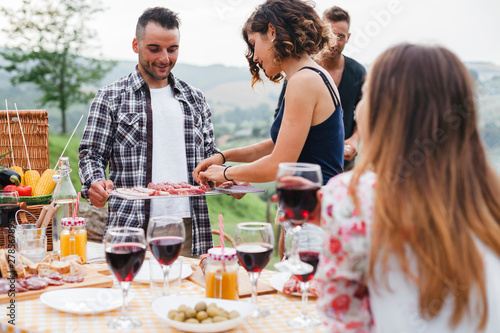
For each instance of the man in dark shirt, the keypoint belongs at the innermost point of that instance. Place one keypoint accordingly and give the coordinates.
(347, 74)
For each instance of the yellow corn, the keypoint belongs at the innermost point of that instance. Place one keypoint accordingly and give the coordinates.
(31, 177)
(45, 184)
(19, 170)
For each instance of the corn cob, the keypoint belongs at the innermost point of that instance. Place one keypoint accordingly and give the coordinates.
(45, 184)
(19, 170)
(31, 177)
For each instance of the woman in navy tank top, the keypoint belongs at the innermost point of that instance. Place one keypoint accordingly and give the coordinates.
(282, 36)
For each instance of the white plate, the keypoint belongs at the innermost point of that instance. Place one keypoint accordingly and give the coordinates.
(143, 275)
(278, 282)
(84, 300)
(161, 306)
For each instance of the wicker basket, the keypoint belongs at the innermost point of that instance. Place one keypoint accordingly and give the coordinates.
(35, 125)
(23, 218)
(36, 134)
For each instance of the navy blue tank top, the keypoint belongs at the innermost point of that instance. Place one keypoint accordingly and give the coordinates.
(325, 142)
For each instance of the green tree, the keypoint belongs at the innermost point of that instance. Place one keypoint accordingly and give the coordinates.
(45, 43)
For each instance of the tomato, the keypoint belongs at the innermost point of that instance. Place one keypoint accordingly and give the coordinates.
(22, 190)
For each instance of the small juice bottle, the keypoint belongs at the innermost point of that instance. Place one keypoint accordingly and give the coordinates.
(221, 274)
(74, 237)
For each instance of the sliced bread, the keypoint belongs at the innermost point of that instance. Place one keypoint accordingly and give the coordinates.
(51, 258)
(73, 257)
(61, 266)
(77, 269)
(4, 266)
(44, 268)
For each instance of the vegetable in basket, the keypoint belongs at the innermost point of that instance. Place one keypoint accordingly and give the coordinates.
(22, 190)
(8, 176)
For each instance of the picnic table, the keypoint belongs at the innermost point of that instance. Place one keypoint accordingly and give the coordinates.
(34, 316)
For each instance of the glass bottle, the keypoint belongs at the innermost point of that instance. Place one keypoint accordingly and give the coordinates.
(221, 274)
(73, 238)
(65, 197)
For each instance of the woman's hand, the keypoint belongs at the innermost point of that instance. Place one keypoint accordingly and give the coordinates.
(216, 159)
(213, 172)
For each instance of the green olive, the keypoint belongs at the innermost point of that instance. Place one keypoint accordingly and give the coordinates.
(213, 311)
(234, 314)
(180, 316)
(171, 314)
(200, 306)
(219, 319)
(190, 313)
(201, 315)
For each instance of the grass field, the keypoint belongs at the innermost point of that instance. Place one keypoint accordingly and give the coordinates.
(250, 208)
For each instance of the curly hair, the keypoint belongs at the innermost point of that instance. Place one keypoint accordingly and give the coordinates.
(298, 27)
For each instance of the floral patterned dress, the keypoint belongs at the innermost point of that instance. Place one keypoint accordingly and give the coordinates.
(343, 269)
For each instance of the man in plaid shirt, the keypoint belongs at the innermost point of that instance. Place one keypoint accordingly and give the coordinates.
(144, 125)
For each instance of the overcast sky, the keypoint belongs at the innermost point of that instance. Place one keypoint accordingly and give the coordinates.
(211, 29)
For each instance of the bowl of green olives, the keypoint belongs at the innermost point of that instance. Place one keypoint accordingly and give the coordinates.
(196, 314)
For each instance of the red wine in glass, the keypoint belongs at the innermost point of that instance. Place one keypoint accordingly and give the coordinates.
(312, 258)
(254, 256)
(166, 249)
(7, 214)
(125, 260)
(298, 202)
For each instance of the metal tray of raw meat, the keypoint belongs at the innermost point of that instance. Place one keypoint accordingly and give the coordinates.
(236, 189)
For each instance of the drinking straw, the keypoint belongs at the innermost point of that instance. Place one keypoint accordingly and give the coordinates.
(10, 137)
(67, 143)
(22, 134)
(221, 232)
(76, 205)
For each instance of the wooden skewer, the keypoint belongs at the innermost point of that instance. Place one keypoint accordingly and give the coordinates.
(22, 134)
(10, 137)
(67, 143)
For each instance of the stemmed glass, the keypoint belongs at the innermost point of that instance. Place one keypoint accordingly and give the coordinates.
(308, 250)
(254, 246)
(166, 237)
(297, 185)
(125, 252)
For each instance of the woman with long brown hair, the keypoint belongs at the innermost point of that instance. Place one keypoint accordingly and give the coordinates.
(417, 222)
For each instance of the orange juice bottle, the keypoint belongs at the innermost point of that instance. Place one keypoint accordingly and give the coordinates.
(74, 237)
(221, 274)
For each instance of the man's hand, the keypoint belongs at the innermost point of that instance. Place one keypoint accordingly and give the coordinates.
(99, 192)
(203, 165)
(353, 151)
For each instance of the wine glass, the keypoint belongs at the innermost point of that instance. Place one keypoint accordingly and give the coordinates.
(254, 246)
(125, 251)
(309, 248)
(297, 185)
(166, 237)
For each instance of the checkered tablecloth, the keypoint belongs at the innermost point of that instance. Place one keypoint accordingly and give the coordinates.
(34, 316)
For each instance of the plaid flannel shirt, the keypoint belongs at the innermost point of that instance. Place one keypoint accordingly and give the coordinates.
(119, 132)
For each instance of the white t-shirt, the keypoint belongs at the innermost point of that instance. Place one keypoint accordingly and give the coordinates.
(169, 151)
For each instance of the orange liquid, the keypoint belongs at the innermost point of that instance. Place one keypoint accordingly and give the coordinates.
(229, 285)
(79, 247)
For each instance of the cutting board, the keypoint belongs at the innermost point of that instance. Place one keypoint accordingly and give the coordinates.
(244, 284)
(92, 279)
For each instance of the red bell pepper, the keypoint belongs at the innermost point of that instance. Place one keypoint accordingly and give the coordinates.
(22, 190)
